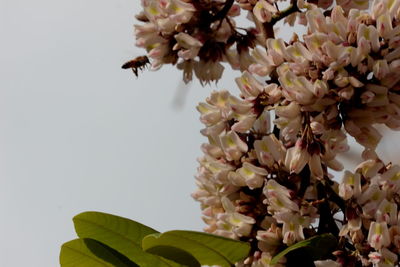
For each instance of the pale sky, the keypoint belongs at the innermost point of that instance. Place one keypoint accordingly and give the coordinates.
(78, 133)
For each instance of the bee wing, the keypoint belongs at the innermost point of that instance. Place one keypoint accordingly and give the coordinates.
(181, 92)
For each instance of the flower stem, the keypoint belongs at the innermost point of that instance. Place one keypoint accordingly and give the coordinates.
(269, 26)
(224, 11)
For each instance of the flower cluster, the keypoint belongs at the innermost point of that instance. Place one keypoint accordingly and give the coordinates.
(372, 196)
(196, 35)
(271, 187)
(199, 35)
(252, 186)
(344, 72)
(268, 181)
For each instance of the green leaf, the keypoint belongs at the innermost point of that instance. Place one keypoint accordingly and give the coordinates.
(175, 254)
(195, 248)
(317, 246)
(99, 225)
(88, 252)
(121, 234)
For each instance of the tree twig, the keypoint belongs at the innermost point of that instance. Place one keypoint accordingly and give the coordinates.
(269, 26)
(224, 11)
(284, 13)
(326, 221)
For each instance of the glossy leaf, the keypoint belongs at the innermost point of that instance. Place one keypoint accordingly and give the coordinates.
(196, 248)
(317, 246)
(176, 255)
(121, 234)
(88, 252)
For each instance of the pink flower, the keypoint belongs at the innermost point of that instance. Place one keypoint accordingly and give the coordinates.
(264, 62)
(270, 239)
(263, 11)
(269, 150)
(263, 123)
(350, 185)
(241, 225)
(297, 88)
(378, 235)
(370, 200)
(277, 50)
(349, 4)
(392, 177)
(208, 71)
(249, 86)
(297, 157)
(191, 46)
(210, 115)
(293, 224)
(232, 145)
(387, 212)
(385, 258)
(278, 197)
(253, 176)
(384, 25)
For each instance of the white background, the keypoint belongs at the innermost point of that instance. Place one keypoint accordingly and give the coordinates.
(78, 133)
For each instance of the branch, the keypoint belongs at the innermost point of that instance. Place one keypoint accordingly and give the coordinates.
(305, 175)
(284, 13)
(335, 198)
(269, 26)
(326, 221)
(224, 11)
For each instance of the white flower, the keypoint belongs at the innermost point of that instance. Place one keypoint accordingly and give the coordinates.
(350, 185)
(387, 212)
(263, 11)
(232, 145)
(278, 197)
(191, 46)
(249, 86)
(385, 258)
(293, 224)
(297, 157)
(269, 150)
(378, 235)
(253, 176)
(241, 225)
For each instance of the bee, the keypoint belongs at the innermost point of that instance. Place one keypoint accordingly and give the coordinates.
(137, 64)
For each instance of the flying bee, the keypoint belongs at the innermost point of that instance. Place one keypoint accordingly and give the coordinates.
(137, 64)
